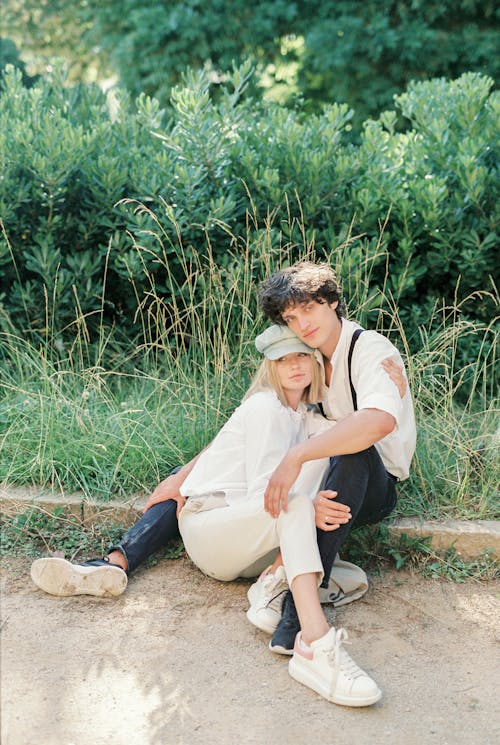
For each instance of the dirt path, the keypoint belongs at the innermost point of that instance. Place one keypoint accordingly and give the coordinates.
(175, 662)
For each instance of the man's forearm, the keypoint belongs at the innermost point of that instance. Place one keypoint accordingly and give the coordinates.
(353, 434)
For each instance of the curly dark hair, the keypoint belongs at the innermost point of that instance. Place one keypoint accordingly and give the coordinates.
(297, 284)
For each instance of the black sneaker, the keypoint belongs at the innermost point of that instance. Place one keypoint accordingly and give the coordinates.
(100, 563)
(287, 629)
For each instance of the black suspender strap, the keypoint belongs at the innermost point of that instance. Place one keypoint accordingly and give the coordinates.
(354, 339)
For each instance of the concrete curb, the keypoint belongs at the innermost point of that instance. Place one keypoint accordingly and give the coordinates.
(468, 538)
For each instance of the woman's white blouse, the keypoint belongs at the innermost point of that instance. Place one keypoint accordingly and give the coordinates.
(248, 448)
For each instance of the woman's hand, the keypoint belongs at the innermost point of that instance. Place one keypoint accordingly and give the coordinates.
(396, 373)
(167, 489)
(330, 515)
(280, 483)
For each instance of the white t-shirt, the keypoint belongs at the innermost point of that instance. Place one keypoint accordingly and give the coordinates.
(239, 462)
(374, 390)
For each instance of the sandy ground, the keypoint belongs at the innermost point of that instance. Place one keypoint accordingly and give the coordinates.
(174, 661)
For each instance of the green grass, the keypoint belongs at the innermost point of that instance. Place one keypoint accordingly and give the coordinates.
(101, 433)
(36, 533)
(376, 549)
(111, 418)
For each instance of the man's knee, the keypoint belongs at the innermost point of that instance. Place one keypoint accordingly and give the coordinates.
(352, 467)
(356, 461)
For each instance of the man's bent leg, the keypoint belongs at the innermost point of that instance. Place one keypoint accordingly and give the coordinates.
(362, 483)
(151, 532)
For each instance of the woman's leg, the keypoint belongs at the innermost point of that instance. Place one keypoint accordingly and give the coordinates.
(313, 623)
(224, 541)
(243, 533)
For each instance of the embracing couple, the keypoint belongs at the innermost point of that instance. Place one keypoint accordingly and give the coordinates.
(280, 487)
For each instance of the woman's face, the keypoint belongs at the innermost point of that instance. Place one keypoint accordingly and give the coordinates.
(295, 371)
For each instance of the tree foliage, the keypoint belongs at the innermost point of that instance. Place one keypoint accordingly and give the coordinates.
(365, 53)
(334, 51)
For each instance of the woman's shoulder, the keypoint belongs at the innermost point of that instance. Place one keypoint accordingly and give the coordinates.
(263, 412)
(262, 401)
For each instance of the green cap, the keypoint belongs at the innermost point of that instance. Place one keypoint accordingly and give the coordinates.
(276, 341)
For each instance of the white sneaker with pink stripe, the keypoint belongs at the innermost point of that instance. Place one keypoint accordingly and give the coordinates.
(325, 666)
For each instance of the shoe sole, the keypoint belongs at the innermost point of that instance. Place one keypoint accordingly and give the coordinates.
(253, 617)
(278, 649)
(304, 676)
(60, 577)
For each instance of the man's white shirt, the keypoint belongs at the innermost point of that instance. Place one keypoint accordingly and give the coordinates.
(375, 390)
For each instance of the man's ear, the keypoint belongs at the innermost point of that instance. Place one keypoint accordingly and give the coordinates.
(334, 305)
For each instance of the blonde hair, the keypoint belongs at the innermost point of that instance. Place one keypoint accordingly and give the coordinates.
(266, 378)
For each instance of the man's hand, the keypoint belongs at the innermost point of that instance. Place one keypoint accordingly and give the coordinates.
(167, 489)
(280, 483)
(330, 515)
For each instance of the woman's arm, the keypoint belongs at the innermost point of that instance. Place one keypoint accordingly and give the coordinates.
(169, 488)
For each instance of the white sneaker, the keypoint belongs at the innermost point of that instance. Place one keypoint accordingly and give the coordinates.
(60, 577)
(326, 667)
(266, 599)
(347, 582)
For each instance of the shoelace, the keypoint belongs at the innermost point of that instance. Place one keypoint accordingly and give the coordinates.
(272, 595)
(338, 656)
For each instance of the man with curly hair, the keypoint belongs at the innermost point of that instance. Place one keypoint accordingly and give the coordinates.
(372, 438)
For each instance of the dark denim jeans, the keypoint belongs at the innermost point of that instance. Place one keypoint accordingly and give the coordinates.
(362, 483)
(151, 532)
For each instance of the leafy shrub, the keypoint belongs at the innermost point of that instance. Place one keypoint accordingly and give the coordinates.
(68, 156)
(366, 53)
(440, 182)
(229, 176)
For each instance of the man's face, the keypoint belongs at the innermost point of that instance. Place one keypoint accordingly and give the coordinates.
(315, 323)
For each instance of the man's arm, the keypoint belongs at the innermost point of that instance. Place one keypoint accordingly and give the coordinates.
(355, 433)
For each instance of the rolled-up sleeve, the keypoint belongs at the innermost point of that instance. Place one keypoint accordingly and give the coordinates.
(374, 388)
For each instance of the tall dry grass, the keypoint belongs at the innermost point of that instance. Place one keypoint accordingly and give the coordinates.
(110, 417)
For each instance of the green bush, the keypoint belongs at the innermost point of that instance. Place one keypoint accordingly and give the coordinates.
(231, 175)
(440, 183)
(68, 156)
(366, 53)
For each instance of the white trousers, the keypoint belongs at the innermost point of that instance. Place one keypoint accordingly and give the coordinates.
(227, 541)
